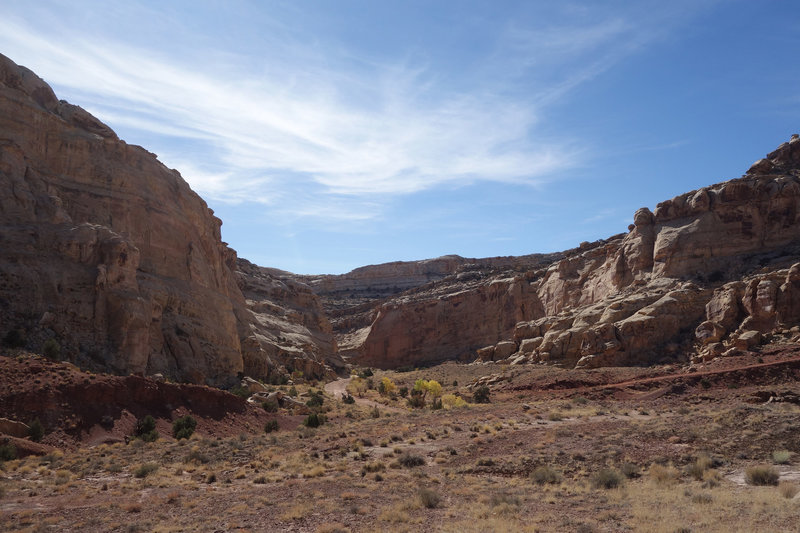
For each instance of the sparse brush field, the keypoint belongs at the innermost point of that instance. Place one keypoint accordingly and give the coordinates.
(656, 458)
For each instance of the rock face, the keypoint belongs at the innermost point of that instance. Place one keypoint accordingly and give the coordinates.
(635, 298)
(112, 254)
(286, 329)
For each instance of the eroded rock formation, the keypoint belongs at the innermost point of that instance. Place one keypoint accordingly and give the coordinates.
(634, 298)
(113, 255)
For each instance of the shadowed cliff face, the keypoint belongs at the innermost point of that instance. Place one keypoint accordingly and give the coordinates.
(112, 254)
(632, 299)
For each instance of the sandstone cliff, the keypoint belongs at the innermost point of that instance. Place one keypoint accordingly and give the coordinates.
(634, 298)
(113, 255)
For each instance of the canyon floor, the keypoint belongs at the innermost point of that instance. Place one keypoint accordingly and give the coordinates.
(664, 448)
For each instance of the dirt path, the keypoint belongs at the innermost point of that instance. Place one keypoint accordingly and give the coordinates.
(644, 386)
(338, 388)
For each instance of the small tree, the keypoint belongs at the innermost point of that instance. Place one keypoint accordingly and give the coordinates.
(386, 386)
(146, 429)
(314, 420)
(184, 427)
(51, 349)
(36, 430)
(481, 394)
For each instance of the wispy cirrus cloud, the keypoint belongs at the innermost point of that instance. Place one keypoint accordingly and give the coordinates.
(356, 130)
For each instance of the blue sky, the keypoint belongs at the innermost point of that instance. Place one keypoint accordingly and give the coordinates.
(329, 135)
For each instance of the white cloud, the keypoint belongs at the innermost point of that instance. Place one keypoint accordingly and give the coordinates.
(362, 134)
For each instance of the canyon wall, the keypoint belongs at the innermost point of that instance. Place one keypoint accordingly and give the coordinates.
(634, 298)
(111, 254)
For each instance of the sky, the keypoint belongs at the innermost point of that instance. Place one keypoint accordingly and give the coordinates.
(329, 135)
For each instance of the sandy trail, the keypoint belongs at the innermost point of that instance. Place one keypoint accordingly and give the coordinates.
(338, 388)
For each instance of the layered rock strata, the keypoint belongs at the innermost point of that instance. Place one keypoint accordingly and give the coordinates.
(113, 255)
(634, 298)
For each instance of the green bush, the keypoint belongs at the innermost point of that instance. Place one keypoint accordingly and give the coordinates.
(270, 406)
(607, 479)
(15, 339)
(8, 452)
(146, 429)
(348, 398)
(481, 395)
(184, 427)
(271, 426)
(316, 399)
(51, 349)
(314, 420)
(545, 474)
(241, 392)
(761, 475)
(403, 391)
(35, 430)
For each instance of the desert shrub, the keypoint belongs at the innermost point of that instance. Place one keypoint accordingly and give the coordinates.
(8, 452)
(697, 468)
(375, 412)
(545, 474)
(409, 460)
(35, 430)
(51, 349)
(703, 498)
(271, 426)
(386, 386)
(663, 474)
(436, 404)
(788, 489)
(608, 478)
(196, 456)
(316, 399)
(348, 398)
(403, 391)
(366, 373)
(481, 395)
(430, 499)
(270, 406)
(314, 420)
(630, 470)
(146, 429)
(357, 386)
(416, 400)
(781, 457)
(293, 392)
(278, 379)
(144, 470)
(451, 401)
(555, 416)
(15, 339)
(761, 475)
(184, 427)
(241, 392)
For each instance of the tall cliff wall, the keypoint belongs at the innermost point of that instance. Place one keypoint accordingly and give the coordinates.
(634, 298)
(111, 253)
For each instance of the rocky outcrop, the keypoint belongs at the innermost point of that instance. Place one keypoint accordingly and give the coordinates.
(113, 255)
(634, 298)
(638, 299)
(447, 323)
(286, 329)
